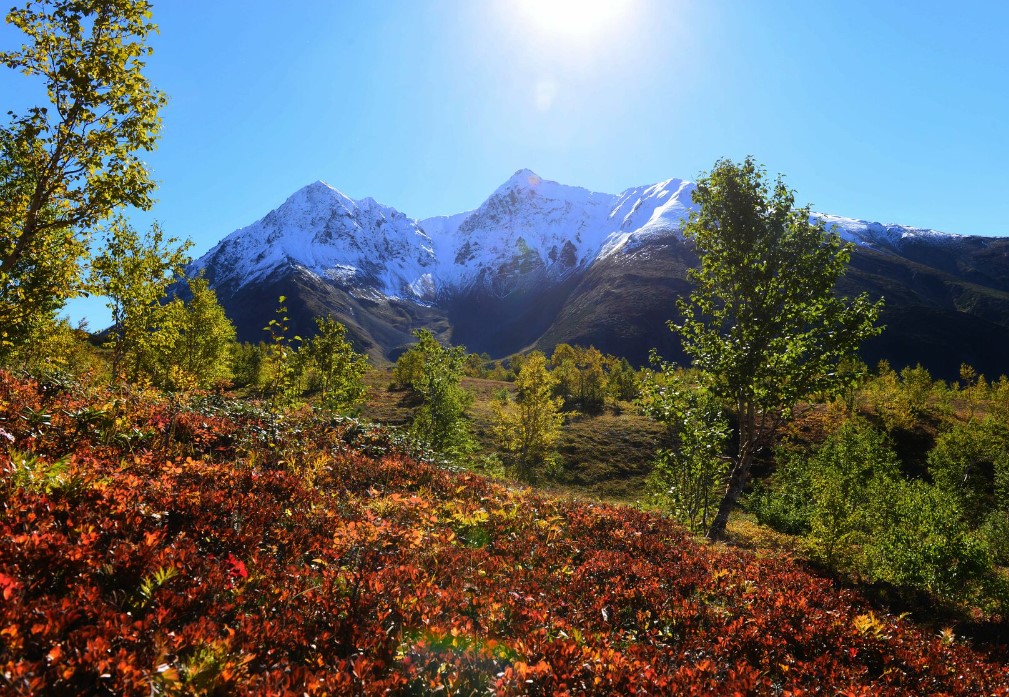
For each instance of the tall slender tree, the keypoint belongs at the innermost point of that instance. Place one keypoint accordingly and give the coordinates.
(134, 273)
(764, 324)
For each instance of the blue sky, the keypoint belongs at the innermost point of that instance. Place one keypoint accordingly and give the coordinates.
(894, 112)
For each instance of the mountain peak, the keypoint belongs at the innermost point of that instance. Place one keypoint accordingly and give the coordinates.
(317, 185)
(522, 179)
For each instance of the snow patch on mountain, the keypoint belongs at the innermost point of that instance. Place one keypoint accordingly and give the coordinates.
(647, 213)
(528, 226)
(871, 234)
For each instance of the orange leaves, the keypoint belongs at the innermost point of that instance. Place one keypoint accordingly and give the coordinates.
(199, 563)
(8, 586)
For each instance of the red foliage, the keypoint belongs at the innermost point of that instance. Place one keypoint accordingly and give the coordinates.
(184, 551)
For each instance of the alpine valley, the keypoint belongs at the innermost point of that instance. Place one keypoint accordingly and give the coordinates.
(540, 263)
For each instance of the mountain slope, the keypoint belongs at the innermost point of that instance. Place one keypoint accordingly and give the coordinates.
(539, 263)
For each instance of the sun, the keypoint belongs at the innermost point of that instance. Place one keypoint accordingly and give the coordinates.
(573, 19)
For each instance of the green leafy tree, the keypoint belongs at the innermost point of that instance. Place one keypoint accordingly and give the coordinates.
(581, 376)
(409, 369)
(67, 166)
(341, 370)
(35, 286)
(247, 363)
(764, 325)
(476, 365)
(687, 480)
(621, 381)
(441, 420)
(134, 273)
(974, 389)
(528, 429)
(203, 345)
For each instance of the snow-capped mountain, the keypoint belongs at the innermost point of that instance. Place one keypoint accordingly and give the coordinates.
(527, 228)
(540, 262)
(364, 245)
(870, 234)
(528, 231)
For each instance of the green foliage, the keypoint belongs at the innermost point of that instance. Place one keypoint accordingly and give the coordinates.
(689, 479)
(54, 347)
(994, 532)
(902, 400)
(786, 501)
(974, 389)
(970, 461)
(340, 369)
(409, 370)
(498, 372)
(65, 168)
(281, 367)
(29, 472)
(33, 287)
(476, 365)
(860, 514)
(764, 325)
(247, 363)
(134, 273)
(826, 493)
(843, 472)
(434, 372)
(528, 429)
(919, 540)
(581, 376)
(622, 382)
(201, 355)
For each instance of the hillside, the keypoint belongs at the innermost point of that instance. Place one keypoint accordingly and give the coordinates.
(152, 547)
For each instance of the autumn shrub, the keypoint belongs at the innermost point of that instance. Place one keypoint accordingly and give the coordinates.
(202, 564)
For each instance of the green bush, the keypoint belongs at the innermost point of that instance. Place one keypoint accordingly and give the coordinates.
(785, 503)
(971, 461)
(918, 539)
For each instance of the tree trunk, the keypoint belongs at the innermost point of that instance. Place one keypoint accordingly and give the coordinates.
(737, 480)
(740, 473)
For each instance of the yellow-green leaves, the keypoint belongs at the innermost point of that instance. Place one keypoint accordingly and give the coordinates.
(528, 428)
(68, 165)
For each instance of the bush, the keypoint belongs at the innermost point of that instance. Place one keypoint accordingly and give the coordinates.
(918, 539)
(825, 493)
(785, 502)
(971, 461)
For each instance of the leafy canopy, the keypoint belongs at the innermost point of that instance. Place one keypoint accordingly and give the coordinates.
(134, 273)
(67, 166)
(434, 372)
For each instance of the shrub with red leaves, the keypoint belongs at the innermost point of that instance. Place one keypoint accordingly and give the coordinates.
(147, 548)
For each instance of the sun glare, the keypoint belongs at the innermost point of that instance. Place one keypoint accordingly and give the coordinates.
(573, 19)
